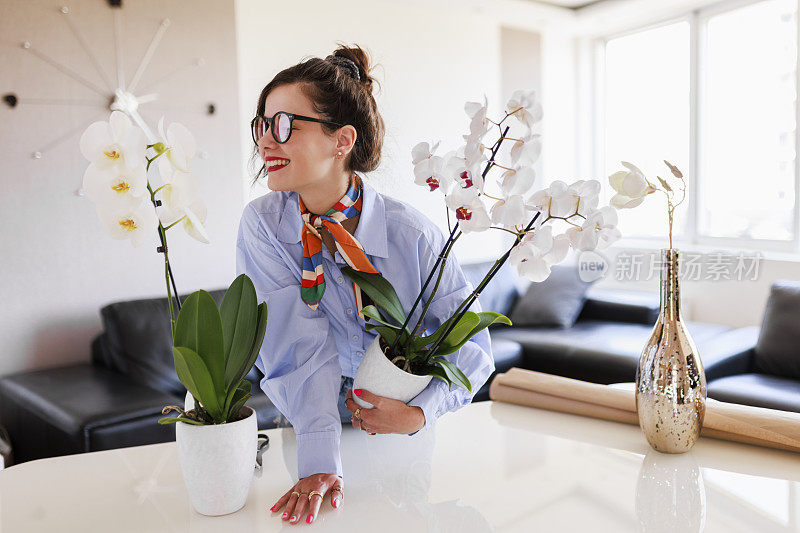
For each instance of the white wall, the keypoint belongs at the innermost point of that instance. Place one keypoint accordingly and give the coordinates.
(59, 266)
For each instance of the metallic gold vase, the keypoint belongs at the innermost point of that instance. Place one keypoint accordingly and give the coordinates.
(670, 381)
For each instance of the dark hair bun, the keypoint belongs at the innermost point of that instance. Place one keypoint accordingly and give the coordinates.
(357, 55)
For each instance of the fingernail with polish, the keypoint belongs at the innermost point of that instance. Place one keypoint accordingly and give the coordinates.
(272, 508)
(358, 392)
(294, 518)
(310, 519)
(336, 503)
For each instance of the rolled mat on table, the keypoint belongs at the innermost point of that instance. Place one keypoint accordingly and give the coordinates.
(727, 421)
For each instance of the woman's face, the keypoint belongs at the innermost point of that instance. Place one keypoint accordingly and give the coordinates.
(311, 152)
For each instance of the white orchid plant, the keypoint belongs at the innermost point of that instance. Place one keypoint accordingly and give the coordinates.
(213, 348)
(534, 217)
(127, 203)
(632, 187)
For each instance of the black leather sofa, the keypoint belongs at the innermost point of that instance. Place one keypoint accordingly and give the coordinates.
(604, 344)
(116, 399)
(768, 373)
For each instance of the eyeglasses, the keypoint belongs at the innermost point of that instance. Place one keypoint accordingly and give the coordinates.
(281, 125)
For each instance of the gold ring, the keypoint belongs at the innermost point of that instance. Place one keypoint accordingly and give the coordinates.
(371, 433)
(310, 494)
(357, 413)
(295, 492)
(334, 489)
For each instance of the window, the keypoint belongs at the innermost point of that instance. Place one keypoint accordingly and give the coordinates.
(747, 123)
(741, 157)
(647, 115)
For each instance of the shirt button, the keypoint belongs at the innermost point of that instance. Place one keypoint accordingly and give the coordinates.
(340, 279)
(359, 354)
(355, 337)
(349, 311)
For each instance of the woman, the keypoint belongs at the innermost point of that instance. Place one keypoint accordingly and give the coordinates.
(317, 125)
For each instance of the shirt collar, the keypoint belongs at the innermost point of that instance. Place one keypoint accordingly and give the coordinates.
(370, 232)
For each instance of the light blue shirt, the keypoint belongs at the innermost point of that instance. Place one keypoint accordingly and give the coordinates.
(305, 352)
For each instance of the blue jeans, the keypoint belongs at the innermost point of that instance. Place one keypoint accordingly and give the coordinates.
(344, 414)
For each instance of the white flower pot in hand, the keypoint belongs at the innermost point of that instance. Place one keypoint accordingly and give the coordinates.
(217, 462)
(380, 376)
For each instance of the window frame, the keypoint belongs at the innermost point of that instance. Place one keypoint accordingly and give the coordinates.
(698, 24)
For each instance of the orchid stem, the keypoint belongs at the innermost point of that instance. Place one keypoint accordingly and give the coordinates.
(468, 301)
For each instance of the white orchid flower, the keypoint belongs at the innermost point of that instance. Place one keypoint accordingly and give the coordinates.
(512, 209)
(422, 151)
(429, 172)
(180, 143)
(114, 143)
(473, 152)
(585, 194)
(553, 200)
(137, 223)
(467, 182)
(176, 195)
(517, 181)
(537, 252)
(194, 222)
(526, 151)
(479, 124)
(598, 231)
(116, 187)
(471, 216)
(180, 203)
(631, 186)
(524, 106)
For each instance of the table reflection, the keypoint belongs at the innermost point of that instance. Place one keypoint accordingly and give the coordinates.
(670, 493)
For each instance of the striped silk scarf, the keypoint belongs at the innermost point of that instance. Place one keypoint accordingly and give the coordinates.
(313, 285)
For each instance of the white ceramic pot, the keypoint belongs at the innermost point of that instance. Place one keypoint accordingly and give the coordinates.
(217, 462)
(379, 376)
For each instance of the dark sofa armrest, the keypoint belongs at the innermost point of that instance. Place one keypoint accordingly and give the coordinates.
(730, 353)
(620, 306)
(80, 408)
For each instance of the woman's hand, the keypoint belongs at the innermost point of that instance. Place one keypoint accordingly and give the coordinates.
(296, 503)
(387, 415)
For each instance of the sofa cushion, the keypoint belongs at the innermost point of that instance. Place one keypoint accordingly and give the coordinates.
(759, 390)
(137, 342)
(65, 410)
(502, 291)
(778, 348)
(596, 351)
(620, 306)
(556, 301)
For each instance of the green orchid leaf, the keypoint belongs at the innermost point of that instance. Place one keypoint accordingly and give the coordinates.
(418, 343)
(380, 291)
(174, 419)
(194, 375)
(199, 328)
(239, 313)
(438, 372)
(235, 394)
(256, 341)
(238, 406)
(460, 331)
(486, 319)
(453, 372)
(373, 312)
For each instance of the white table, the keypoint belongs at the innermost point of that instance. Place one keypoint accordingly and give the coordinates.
(488, 467)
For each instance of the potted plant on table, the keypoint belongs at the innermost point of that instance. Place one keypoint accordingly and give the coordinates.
(213, 348)
(402, 359)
